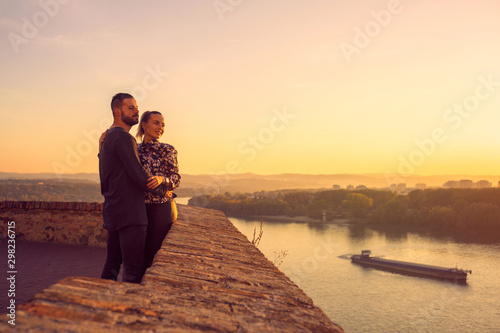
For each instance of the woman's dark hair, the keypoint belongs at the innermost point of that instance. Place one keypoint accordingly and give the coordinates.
(144, 119)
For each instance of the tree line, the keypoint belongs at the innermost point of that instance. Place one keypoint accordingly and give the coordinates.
(337, 203)
(465, 210)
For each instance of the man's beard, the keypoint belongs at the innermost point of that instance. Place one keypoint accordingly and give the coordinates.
(129, 120)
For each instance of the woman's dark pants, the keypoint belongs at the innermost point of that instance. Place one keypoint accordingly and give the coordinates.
(159, 223)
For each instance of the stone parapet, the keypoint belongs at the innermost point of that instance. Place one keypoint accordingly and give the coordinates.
(52, 205)
(206, 277)
(77, 223)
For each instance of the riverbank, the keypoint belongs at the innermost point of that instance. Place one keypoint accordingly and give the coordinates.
(398, 231)
(295, 219)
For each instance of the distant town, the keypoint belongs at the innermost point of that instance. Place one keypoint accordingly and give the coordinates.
(402, 188)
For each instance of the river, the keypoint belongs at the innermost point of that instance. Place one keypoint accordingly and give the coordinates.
(369, 300)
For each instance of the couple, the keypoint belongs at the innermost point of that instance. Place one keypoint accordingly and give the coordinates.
(137, 184)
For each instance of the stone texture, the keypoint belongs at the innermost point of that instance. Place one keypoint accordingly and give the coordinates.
(206, 277)
(78, 223)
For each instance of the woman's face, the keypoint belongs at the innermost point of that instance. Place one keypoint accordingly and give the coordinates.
(154, 127)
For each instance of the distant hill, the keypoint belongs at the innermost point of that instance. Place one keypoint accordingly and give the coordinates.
(48, 189)
(77, 176)
(249, 182)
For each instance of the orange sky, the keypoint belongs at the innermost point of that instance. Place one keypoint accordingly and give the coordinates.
(278, 86)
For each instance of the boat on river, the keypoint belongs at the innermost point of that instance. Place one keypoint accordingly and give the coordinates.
(410, 268)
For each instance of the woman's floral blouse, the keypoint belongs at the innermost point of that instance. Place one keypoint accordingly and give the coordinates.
(160, 159)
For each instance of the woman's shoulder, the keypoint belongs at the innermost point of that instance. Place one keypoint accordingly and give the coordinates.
(166, 147)
(156, 146)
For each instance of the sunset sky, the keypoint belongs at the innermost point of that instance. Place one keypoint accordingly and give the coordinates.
(282, 86)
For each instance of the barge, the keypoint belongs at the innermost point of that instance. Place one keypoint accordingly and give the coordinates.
(409, 267)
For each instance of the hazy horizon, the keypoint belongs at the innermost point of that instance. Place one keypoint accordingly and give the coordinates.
(401, 88)
(255, 182)
(281, 173)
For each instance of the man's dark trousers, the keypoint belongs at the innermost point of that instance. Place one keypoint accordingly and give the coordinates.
(127, 244)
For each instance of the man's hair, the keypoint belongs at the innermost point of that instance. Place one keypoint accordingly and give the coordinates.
(117, 100)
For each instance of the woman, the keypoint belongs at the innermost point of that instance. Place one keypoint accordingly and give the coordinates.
(158, 159)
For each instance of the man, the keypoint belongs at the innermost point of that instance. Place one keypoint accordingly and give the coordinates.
(123, 184)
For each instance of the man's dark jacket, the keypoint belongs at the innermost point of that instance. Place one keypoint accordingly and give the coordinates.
(123, 181)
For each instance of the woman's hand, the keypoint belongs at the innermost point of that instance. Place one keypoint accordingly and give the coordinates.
(155, 181)
(101, 139)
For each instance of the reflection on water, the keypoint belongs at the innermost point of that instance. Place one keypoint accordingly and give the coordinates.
(318, 226)
(358, 232)
(182, 201)
(364, 299)
(346, 256)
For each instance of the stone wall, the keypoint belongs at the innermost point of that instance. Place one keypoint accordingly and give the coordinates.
(78, 223)
(207, 277)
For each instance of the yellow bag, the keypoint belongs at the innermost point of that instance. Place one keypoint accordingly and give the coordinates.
(173, 211)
